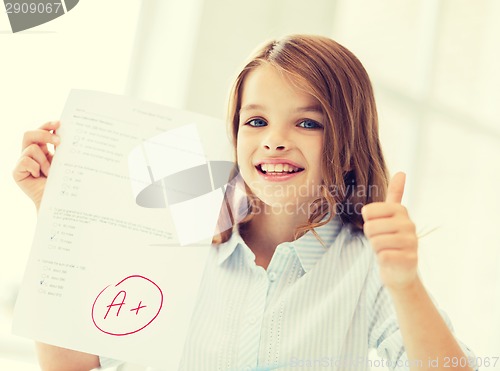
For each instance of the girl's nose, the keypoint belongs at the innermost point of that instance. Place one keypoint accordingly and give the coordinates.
(275, 140)
(277, 147)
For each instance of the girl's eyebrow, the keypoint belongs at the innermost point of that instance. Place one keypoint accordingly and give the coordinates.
(250, 107)
(313, 108)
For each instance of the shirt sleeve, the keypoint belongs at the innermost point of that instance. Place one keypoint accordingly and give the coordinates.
(384, 334)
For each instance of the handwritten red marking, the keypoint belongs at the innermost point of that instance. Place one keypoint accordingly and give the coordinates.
(138, 308)
(97, 305)
(113, 303)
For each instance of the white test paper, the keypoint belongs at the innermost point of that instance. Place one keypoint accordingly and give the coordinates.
(114, 267)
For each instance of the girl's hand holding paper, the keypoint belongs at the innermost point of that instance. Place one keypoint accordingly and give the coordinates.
(33, 166)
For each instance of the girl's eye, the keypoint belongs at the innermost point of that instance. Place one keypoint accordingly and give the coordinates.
(310, 124)
(256, 123)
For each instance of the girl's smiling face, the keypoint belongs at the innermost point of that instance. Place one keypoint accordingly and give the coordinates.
(280, 139)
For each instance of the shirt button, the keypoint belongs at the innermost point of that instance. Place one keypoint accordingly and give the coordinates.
(252, 319)
(272, 276)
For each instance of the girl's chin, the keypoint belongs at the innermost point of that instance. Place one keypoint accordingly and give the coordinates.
(281, 205)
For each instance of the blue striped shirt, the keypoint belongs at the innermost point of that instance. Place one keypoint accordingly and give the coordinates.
(315, 308)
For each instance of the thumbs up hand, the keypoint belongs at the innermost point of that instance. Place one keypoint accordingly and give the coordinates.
(393, 237)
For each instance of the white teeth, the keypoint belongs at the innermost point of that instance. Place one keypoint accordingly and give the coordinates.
(278, 168)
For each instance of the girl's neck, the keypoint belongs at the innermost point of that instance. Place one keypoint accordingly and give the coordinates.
(267, 229)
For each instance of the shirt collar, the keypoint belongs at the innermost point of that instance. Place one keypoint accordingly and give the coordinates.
(226, 249)
(308, 249)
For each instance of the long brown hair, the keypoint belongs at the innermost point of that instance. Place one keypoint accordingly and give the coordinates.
(353, 167)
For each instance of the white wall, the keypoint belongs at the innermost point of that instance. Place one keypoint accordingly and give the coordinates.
(433, 63)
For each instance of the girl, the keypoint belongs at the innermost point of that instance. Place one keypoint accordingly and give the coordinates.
(324, 266)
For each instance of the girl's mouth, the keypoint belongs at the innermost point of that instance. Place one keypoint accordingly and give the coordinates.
(278, 169)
